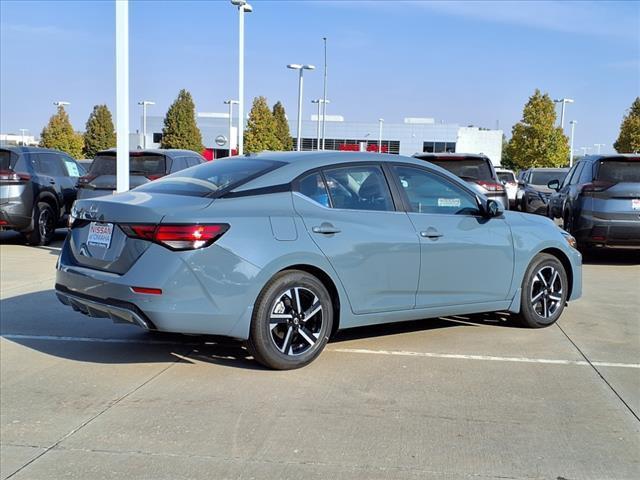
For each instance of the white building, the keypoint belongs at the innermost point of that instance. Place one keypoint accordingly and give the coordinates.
(15, 139)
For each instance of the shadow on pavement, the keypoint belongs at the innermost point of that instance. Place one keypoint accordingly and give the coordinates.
(15, 238)
(607, 256)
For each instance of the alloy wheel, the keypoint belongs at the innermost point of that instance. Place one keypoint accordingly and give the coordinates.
(45, 223)
(546, 292)
(295, 321)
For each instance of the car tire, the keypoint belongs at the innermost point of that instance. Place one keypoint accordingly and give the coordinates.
(44, 225)
(544, 292)
(292, 321)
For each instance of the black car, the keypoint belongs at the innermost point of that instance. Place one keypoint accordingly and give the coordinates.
(37, 189)
(533, 192)
(144, 166)
(599, 201)
(475, 169)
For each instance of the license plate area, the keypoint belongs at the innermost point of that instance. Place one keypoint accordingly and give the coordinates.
(100, 234)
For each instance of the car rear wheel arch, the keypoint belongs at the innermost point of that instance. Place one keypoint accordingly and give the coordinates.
(51, 200)
(562, 257)
(328, 283)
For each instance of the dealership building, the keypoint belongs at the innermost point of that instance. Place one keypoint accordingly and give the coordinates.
(408, 137)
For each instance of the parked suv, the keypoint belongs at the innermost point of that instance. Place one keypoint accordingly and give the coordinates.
(599, 201)
(508, 179)
(144, 166)
(37, 189)
(476, 170)
(534, 193)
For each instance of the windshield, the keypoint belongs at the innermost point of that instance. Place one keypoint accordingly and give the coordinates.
(506, 177)
(210, 178)
(147, 164)
(619, 170)
(467, 169)
(543, 177)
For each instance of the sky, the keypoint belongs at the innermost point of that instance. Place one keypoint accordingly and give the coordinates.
(471, 63)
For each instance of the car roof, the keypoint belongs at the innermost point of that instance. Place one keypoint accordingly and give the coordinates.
(20, 149)
(169, 152)
(548, 169)
(595, 158)
(450, 156)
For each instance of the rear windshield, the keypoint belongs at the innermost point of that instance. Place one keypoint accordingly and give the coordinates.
(7, 160)
(138, 165)
(619, 170)
(506, 177)
(467, 169)
(211, 178)
(545, 176)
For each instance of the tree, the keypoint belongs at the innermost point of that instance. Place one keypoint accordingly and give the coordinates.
(629, 138)
(535, 140)
(180, 129)
(261, 128)
(506, 161)
(282, 127)
(59, 134)
(99, 134)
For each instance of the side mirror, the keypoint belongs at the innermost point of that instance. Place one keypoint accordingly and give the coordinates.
(493, 209)
(520, 183)
(554, 185)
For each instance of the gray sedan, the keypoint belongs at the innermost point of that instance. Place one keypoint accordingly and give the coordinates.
(283, 249)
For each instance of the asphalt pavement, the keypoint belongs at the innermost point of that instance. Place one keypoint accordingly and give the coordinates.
(473, 397)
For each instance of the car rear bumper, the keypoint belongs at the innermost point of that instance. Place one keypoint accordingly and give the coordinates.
(17, 216)
(608, 233)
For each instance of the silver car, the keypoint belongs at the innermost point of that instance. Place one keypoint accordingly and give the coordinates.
(283, 249)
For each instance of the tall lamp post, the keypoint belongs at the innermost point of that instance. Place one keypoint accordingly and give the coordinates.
(122, 95)
(573, 130)
(243, 7)
(22, 131)
(563, 101)
(231, 103)
(61, 103)
(319, 101)
(324, 93)
(144, 104)
(301, 69)
(380, 122)
(598, 146)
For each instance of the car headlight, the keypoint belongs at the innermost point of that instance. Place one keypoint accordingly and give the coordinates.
(571, 240)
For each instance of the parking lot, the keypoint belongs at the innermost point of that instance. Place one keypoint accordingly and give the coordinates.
(465, 397)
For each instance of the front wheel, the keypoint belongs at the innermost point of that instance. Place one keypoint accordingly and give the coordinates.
(544, 292)
(292, 321)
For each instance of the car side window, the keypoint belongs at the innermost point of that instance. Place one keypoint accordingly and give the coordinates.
(570, 173)
(73, 169)
(313, 186)
(430, 193)
(193, 161)
(179, 163)
(49, 164)
(587, 173)
(576, 175)
(359, 187)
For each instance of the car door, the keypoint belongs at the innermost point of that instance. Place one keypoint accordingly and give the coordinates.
(69, 180)
(556, 201)
(572, 189)
(349, 213)
(50, 171)
(465, 257)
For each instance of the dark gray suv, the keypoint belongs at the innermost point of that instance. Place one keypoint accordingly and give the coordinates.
(599, 201)
(37, 189)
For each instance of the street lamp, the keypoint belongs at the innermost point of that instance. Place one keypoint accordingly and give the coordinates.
(243, 7)
(380, 122)
(324, 94)
(231, 103)
(61, 103)
(22, 130)
(319, 101)
(144, 104)
(563, 101)
(573, 129)
(301, 69)
(598, 145)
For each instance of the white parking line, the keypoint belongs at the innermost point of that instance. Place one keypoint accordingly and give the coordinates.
(402, 353)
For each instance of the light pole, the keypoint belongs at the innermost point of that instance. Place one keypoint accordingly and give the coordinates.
(231, 103)
(598, 145)
(301, 69)
(319, 101)
(380, 122)
(144, 104)
(122, 95)
(573, 130)
(61, 103)
(22, 130)
(324, 93)
(563, 101)
(243, 7)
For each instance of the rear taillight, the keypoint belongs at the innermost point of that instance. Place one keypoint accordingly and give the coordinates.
(178, 237)
(155, 177)
(11, 176)
(596, 186)
(490, 186)
(86, 179)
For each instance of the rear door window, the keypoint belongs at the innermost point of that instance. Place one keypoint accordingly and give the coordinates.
(359, 188)
(313, 187)
(430, 193)
(470, 169)
(617, 171)
(211, 179)
(49, 164)
(73, 169)
(506, 177)
(576, 175)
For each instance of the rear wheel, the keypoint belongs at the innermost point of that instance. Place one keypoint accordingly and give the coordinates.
(44, 225)
(292, 321)
(544, 292)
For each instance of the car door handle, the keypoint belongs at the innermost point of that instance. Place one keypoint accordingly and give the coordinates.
(325, 229)
(431, 233)
(52, 181)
